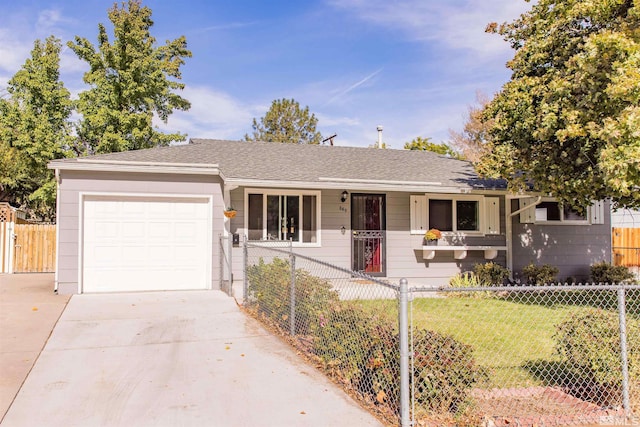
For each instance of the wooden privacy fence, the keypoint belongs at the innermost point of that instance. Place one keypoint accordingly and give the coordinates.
(625, 244)
(25, 247)
(35, 248)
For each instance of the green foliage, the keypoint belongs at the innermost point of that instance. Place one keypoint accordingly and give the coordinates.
(467, 280)
(425, 144)
(606, 273)
(490, 273)
(445, 370)
(269, 294)
(590, 343)
(539, 274)
(363, 350)
(567, 122)
(286, 122)
(360, 348)
(34, 129)
(131, 79)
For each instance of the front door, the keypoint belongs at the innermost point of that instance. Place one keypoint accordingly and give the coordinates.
(368, 225)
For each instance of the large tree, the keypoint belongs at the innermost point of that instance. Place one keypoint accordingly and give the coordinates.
(286, 122)
(34, 129)
(132, 79)
(568, 121)
(424, 144)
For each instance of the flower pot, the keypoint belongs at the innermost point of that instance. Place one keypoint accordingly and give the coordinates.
(431, 242)
(230, 214)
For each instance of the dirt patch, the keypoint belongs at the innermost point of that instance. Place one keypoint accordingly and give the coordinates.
(542, 406)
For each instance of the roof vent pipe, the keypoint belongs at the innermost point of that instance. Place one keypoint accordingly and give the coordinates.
(379, 136)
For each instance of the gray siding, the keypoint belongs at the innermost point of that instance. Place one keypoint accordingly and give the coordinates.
(571, 248)
(404, 250)
(75, 182)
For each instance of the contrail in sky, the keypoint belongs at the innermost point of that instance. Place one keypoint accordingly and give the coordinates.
(353, 86)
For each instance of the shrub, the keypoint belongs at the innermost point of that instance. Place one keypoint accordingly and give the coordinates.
(606, 273)
(590, 342)
(363, 350)
(490, 273)
(269, 293)
(466, 280)
(540, 274)
(444, 371)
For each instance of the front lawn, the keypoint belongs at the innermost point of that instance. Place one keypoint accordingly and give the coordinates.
(512, 341)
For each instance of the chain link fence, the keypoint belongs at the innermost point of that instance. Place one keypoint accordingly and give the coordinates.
(331, 316)
(526, 355)
(496, 356)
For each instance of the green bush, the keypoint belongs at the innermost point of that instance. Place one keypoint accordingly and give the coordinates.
(269, 293)
(465, 280)
(490, 274)
(606, 273)
(539, 274)
(590, 343)
(363, 350)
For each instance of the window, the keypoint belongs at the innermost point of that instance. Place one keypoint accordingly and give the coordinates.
(283, 215)
(455, 213)
(550, 211)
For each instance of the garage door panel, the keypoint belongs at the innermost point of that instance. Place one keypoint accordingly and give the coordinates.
(138, 244)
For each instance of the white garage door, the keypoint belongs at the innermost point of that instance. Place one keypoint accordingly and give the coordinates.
(145, 243)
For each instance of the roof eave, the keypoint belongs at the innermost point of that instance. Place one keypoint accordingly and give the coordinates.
(350, 185)
(133, 167)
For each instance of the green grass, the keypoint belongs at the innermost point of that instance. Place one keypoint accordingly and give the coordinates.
(513, 342)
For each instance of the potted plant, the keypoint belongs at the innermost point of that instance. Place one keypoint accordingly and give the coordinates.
(230, 212)
(431, 237)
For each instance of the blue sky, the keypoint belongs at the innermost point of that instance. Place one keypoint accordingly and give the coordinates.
(413, 66)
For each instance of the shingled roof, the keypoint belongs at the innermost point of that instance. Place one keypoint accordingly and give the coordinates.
(240, 161)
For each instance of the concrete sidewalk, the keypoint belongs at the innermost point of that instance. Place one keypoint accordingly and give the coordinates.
(174, 358)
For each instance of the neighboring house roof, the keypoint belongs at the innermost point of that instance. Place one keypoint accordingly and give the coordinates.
(318, 166)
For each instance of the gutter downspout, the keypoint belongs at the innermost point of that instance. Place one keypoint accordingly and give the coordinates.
(226, 232)
(509, 226)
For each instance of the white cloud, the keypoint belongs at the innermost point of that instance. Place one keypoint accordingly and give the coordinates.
(13, 51)
(457, 24)
(213, 114)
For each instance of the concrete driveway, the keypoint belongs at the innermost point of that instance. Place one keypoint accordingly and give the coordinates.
(28, 312)
(174, 358)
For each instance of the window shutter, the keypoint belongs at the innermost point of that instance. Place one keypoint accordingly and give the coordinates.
(492, 215)
(527, 216)
(418, 213)
(597, 212)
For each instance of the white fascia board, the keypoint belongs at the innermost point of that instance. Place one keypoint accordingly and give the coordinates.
(349, 186)
(141, 167)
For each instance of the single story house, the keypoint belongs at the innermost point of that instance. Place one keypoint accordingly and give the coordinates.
(153, 219)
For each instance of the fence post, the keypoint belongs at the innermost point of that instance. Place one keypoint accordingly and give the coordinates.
(292, 298)
(230, 263)
(245, 264)
(403, 325)
(623, 351)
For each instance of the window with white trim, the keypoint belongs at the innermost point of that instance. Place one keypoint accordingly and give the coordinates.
(549, 211)
(465, 214)
(283, 215)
